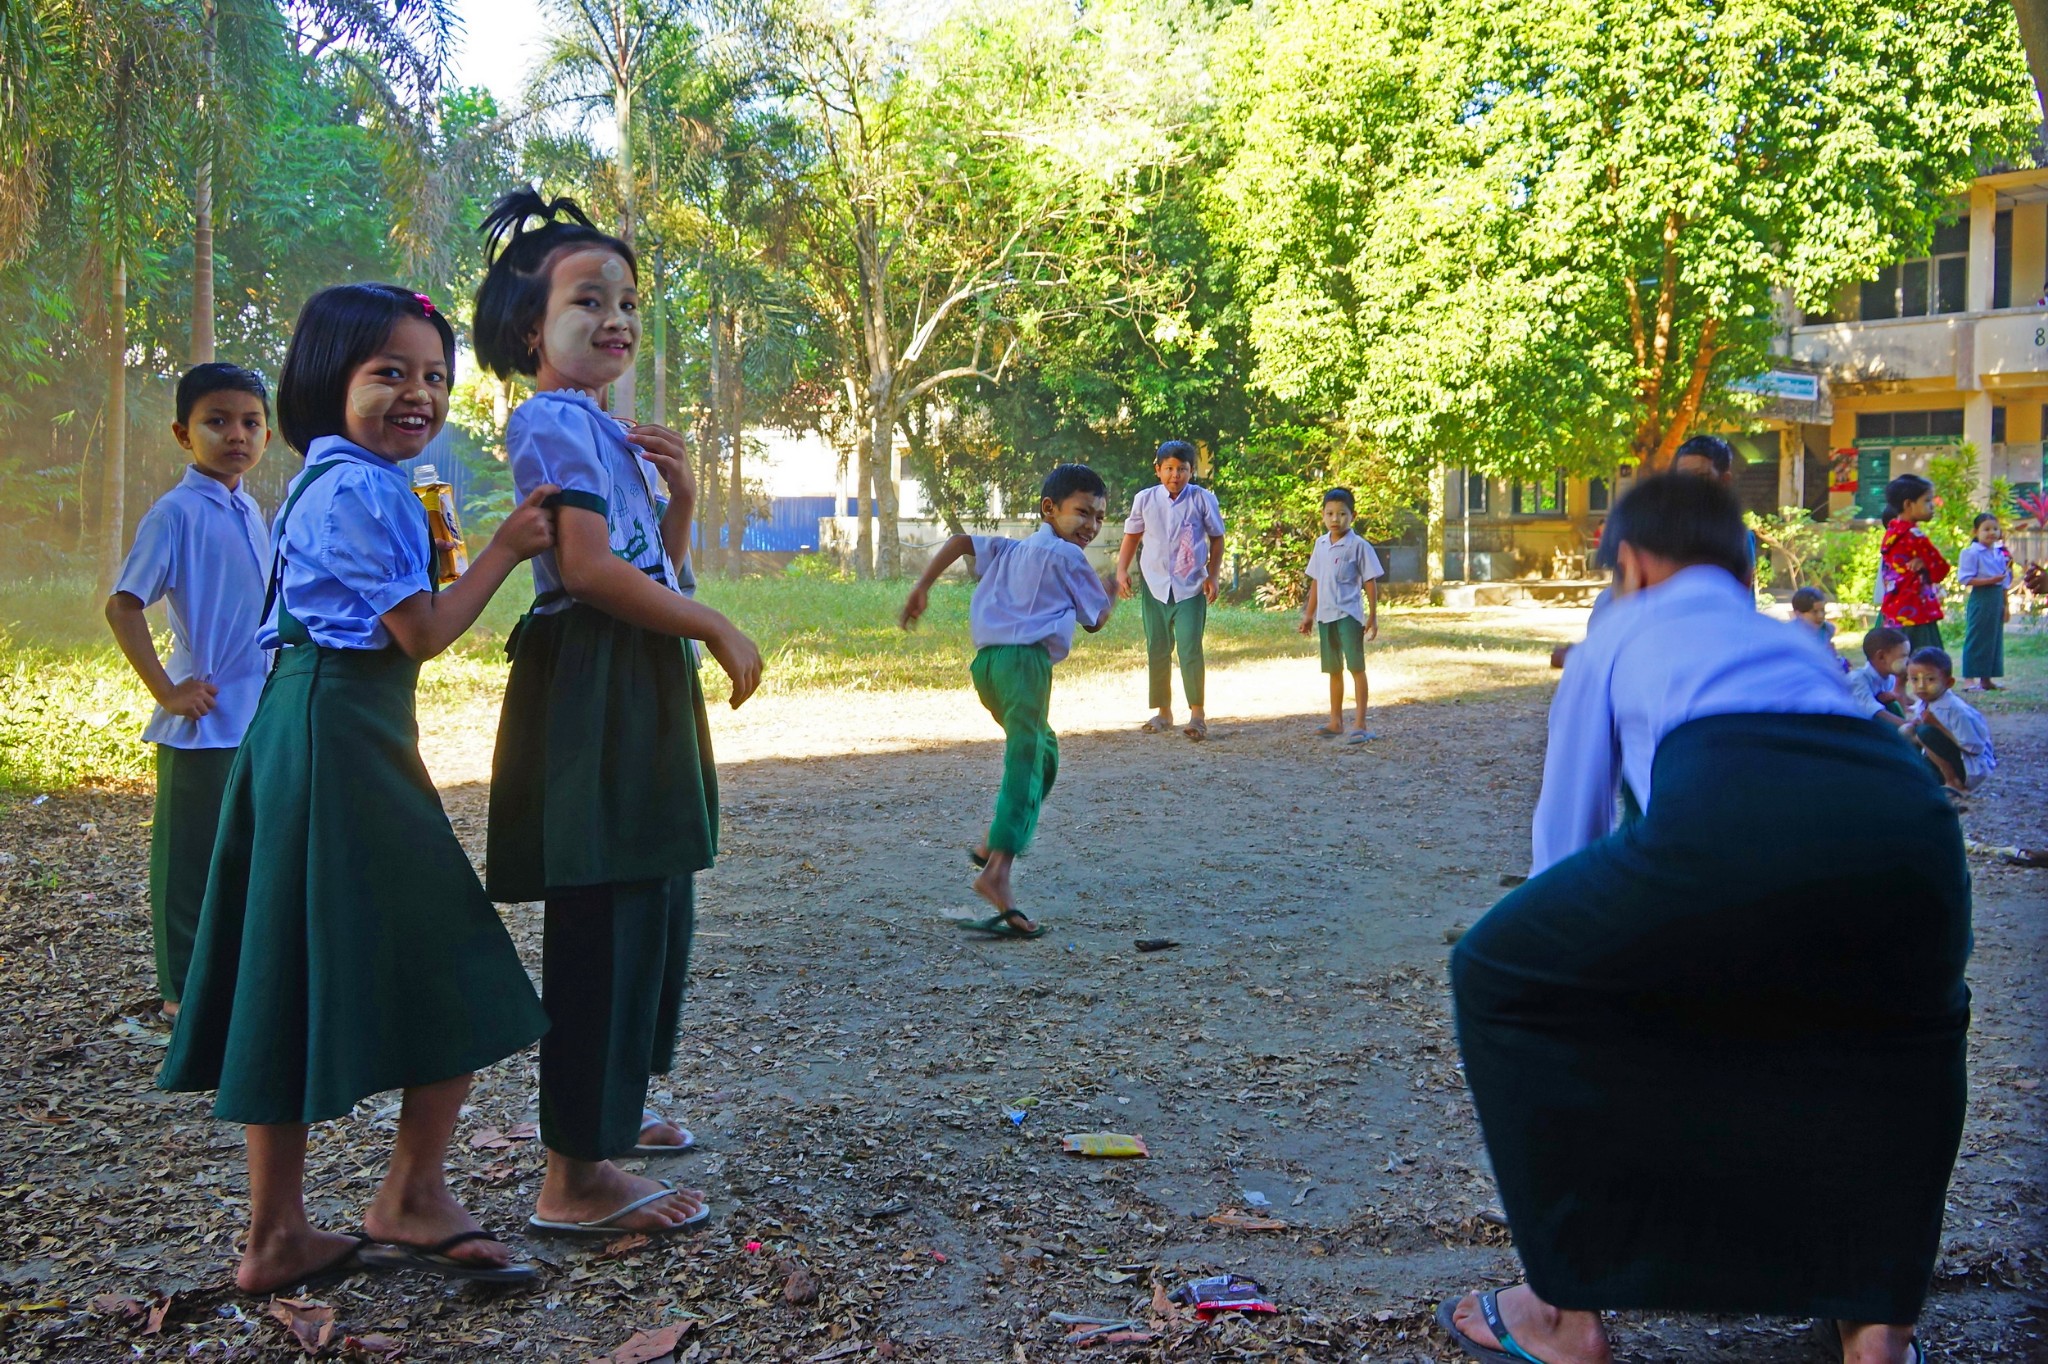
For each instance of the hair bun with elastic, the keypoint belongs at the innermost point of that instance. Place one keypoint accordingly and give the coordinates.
(507, 220)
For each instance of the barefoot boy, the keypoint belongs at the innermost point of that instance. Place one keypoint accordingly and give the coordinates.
(1031, 595)
(1180, 528)
(203, 545)
(1343, 607)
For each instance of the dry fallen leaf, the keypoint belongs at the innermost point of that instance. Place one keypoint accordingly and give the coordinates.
(799, 1285)
(374, 1346)
(311, 1323)
(644, 1347)
(158, 1313)
(120, 1305)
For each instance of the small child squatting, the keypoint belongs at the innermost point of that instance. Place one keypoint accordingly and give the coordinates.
(203, 545)
(1031, 595)
(1949, 731)
(1343, 608)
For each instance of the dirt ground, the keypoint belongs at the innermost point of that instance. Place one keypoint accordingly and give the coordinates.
(854, 1062)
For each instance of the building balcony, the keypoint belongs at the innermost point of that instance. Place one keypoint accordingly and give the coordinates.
(2005, 347)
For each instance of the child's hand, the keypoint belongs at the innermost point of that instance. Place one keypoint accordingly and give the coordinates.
(1372, 629)
(1918, 565)
(666, 451)
(1123, 584)
(193, 698)
(531, 526)
(1211, 588)
(741, 660)
(913, 607)
(1304, 626)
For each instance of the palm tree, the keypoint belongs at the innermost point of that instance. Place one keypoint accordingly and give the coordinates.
(22, 62)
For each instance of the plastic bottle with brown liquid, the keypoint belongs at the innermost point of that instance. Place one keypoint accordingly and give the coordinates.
(451, 556)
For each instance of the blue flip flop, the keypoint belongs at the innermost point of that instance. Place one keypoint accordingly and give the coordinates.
(999, 925)
(1510, 1351)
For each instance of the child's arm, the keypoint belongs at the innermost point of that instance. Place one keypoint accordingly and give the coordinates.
(1214, 585)
(943, 558)
(1125, 552)
(1372, 608)
(426, 623)
(592, 574)
(1308, 610)
(191, 698)
(666, 451)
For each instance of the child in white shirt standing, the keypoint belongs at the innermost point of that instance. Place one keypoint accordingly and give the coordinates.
(1031, 595)
(1343, 607)
(1180, 528)
(1951, 733)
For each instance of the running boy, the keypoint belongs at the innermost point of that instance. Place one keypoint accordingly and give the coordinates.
(1952, 735)
(204, 546)
(1032, 593)
(1875, 685)
(1343, 607)
(1181, 529)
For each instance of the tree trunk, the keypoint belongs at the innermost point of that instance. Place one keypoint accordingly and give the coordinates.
(736, 396)
(114, 473)
(714, 436)
(888, 472)
(657, 328)
(2033, 17)
(623, 392)
(202, 193)
(864, 502)
(1433, 549)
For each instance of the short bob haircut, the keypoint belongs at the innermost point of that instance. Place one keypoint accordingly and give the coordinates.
(1067, 479)
(513, 298)
(203, 381)
(338, 329)
(1687, 520)
(1175, 449)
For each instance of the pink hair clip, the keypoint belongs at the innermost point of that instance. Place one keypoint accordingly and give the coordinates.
(426, 304)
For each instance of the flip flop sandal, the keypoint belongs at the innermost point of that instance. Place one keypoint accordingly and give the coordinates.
(350, 1262)
(1360, 736)
(1154, 725)
(977, 857)
(606, 1228)
(649, 1118)
(1828, 1332)
(435, 1260)
(1197, 730)
(999, 926)
(1325, 732)
(1510, 1352)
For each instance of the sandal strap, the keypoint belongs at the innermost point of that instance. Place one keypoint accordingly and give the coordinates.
(460, 1238)
(1489, 1308)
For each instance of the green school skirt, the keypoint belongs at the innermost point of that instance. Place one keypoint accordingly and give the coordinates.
(1984, 634)
(189, 785)
(1714, 1074)
(345, 947)
(603, 771)
(1926, 636)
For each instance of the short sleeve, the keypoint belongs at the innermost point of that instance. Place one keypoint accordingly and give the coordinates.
(146, 572)
(550, 441)
(1212, 513)
(989, 548)
(370, 544)
(1319, 561)
(1369, 561)
(1090, 598)
(1134, 524)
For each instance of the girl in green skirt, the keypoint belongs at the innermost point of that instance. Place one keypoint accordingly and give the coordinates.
(345, 946)
(604, 800)
(1985, 567)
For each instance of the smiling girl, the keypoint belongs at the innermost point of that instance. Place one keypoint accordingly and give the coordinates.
(604, 800)
(344, 946)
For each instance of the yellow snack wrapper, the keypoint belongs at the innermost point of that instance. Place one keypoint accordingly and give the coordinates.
(1111, 1145)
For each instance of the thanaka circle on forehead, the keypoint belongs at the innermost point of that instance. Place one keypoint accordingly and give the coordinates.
(613, 269)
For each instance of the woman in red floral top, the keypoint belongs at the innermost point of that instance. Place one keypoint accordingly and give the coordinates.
(1910, 565)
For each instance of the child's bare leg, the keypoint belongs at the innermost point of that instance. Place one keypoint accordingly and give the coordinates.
(993, 885)
(282, 1243)
(1358, 690)
(1336, 725)
(413, 1205)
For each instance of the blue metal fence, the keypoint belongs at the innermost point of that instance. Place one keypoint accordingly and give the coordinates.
(791, 526)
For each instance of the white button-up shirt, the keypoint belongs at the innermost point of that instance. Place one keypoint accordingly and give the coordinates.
(1032, 591)
(1340, 570)
(1174, 557)
(1692, 646)
(1972, 734)
(205, 548)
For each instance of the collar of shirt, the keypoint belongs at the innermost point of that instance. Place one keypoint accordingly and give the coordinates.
(1704, 584)
(213, 490)
(612, 429)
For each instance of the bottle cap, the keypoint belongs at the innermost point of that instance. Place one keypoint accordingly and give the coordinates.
(425, 475)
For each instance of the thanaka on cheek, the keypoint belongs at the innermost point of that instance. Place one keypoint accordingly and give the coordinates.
(371, 401)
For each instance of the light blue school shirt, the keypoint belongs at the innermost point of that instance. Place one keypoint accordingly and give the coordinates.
(1692, 646)
(204, 547)
(354, 547)
(1173, 556)
(562, 437)
(1032, 591)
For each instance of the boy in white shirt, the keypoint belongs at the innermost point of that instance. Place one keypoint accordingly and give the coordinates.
(1180, 528)
(1343, 607)
(1951, 733)
(1031, 595)
(1875, 685)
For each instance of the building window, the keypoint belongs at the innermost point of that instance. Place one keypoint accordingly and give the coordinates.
(1540, 499)
(1598, 497)
(1476, 496)
(1934, 283)
(1942, 422)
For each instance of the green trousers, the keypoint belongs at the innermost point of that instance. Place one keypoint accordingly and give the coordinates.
(614, 962)
(1171, 625)
(189, 785)
(1015, 682)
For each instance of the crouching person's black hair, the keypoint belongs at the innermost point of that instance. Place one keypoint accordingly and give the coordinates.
(1686, 520)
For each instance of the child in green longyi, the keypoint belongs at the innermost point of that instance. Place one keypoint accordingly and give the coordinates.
(1031, 595)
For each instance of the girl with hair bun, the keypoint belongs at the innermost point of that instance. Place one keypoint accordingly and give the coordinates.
(604, 800)
(344, 946)
(1909, 565)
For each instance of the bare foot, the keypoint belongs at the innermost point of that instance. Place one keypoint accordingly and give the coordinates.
(1551, 1335)
(590, 1191)
(419, 1218)
(993, 885)
(1863, 1343)
(661, 1132)
(284, 1261)
(1332, 730)
(169, 1010)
